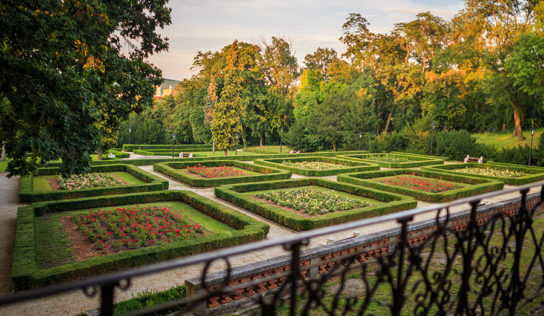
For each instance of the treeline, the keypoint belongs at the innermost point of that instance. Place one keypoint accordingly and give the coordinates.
(480, 71)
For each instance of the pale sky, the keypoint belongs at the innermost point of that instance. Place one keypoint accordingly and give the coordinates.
(202, 25)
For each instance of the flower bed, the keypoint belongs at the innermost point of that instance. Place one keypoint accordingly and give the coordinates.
(215, 172)
(47, 248)
(311, 201)
(424, 185)
(506, 173)
(310, 194)
(38, 188)
(131, 228)
(87, 181)
(494, 172)
(317, 166)
(396, 160)
(411, 181)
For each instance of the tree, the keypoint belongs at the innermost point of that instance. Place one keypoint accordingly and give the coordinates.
(226, 114)
(320, 62)
(64, 69)
(525, 64)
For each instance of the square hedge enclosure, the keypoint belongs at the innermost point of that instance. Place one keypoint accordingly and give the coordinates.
(64, 240)
(317, 166)
(396, 160)
(211, 173)
(38, 188)
(424, 185)
(360, 202)
(506, 173)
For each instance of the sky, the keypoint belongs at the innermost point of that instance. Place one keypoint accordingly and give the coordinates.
(209, 25)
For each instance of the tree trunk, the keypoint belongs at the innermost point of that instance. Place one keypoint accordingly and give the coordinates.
(334, 146)
(389, 118)
(261, 141)
(100, 153)
(517, 119)
(213, 147)
(226, 152)
(244, 141)
(3, 152)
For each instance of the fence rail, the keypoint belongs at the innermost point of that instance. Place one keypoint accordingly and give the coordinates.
(485, 260)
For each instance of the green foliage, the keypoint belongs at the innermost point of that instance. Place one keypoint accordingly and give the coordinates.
(148, 299)
(53, 100)
(456, 145)
(396, 160)
(239, 195)
(26, 273)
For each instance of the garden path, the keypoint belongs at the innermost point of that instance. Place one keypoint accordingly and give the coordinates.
(8, 218)
(72, 303)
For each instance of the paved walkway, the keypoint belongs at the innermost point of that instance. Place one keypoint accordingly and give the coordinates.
(76, 302)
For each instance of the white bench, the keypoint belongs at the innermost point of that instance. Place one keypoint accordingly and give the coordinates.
(474, 159)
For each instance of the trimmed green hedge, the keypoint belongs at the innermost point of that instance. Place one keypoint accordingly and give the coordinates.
(535, 174)
(414, 160)
(152, 183)
(165, 153)
(474, 185)
(172, 169)
(347, 166)
(181, 147)
(117, 153)
(150, 161)
(234, 194)
(26, 273)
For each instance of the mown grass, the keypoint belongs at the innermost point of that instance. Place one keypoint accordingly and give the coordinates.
(383, 294)
(506, 140)
(273, 149)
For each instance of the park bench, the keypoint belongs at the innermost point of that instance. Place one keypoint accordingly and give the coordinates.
(474, 159)
(185, 155)
(294, 152)
(111, 156)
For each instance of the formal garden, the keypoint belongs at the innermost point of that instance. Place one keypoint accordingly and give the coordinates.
(110, 166)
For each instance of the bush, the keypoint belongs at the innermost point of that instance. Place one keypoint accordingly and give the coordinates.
(387, 143)
(346, 166)
(457, 145)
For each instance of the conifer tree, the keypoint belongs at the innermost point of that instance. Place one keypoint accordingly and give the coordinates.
(226, 113)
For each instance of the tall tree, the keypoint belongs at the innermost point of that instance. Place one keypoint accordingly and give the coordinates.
(64, 68)
(226, 114)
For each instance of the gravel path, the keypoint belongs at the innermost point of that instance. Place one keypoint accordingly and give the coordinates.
(76, 302)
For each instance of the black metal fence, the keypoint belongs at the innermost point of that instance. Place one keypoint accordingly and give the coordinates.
(485, 260)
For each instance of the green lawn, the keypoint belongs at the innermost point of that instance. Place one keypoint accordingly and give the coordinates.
(220, 153)
(505, 140)
(270, 149)
(3, 165)
(54, 248)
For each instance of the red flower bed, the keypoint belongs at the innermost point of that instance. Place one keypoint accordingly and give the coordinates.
(414, 182)
(122, 229)
(215, 172)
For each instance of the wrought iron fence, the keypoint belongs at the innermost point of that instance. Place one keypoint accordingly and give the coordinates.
(484, 260)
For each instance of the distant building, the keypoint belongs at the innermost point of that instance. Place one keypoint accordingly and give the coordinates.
(166, 88)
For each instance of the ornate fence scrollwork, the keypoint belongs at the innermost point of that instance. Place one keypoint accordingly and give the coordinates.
(485, 260)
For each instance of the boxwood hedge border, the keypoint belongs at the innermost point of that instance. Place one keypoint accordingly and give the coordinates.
(152, 183)
(350, 165)
(165, 147)
(233, 194)
(475, 185)
(172, 169)
(536, 174)
(26, 273)
(416, 160)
